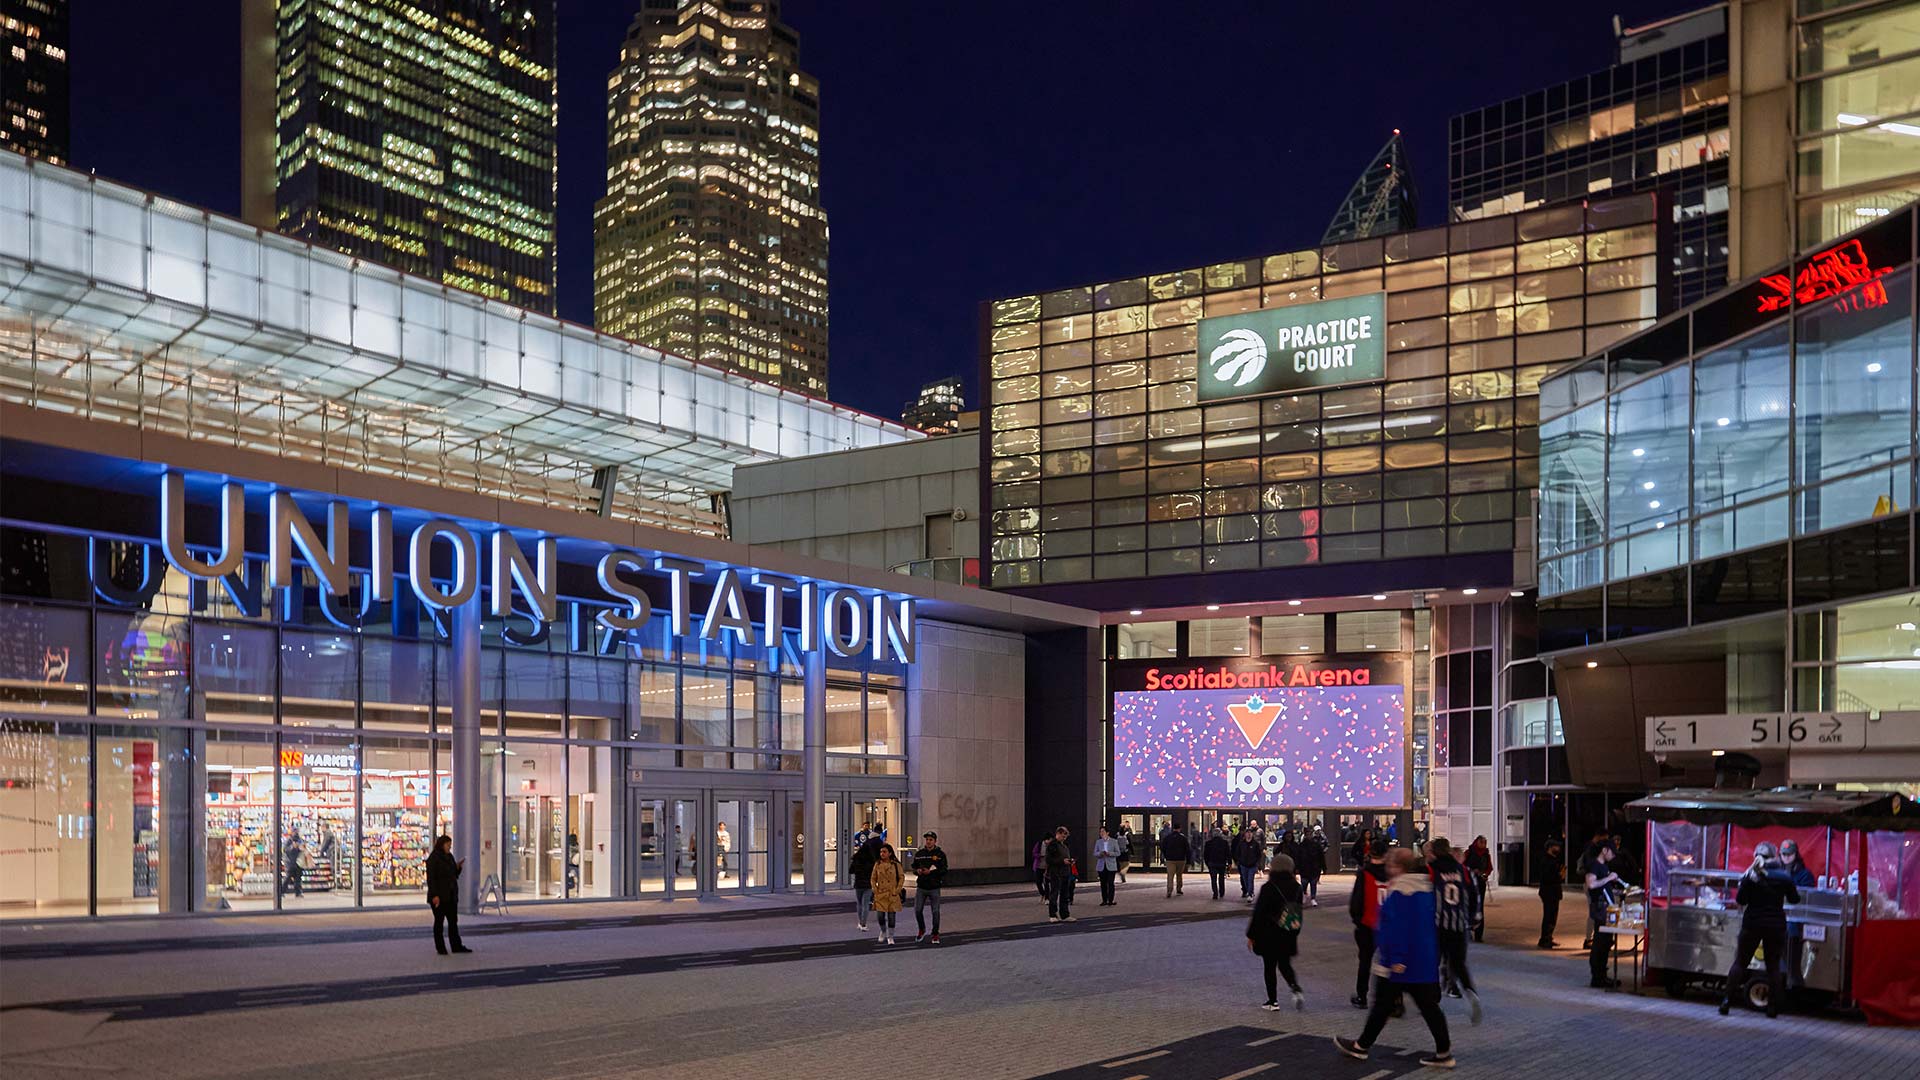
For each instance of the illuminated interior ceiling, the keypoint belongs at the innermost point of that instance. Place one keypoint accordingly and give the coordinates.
(119, 305)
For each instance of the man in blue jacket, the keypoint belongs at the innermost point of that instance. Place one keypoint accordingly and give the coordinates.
(1407, 961)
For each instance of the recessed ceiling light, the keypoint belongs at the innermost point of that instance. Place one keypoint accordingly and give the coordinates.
(1293, 603)
(1371, 645)
(1873, 368)
(1135, 611)
(1901, 626)
(1647, 486)
(1379, 596)
(1213, 607)
(1593, 663)
(1303, 648)
(1723, 421)
(1653, 504)
(1719, 753)
(1639, 451)
(1469, 592)
(1518, 592)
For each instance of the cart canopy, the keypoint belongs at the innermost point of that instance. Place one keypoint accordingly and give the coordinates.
(1790, 807)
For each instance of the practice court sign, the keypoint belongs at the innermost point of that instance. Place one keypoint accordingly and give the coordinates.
(1304, 347)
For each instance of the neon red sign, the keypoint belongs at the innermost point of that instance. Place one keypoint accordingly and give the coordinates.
(1829, 275)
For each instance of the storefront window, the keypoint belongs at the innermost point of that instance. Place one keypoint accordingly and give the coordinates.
(243, 850)
(596, 698)
(1742, 400)
(535, 686)
(43, 659)
(319, 835)
(656, 693)
(1301, 633)
(886, 715)
(45, 818)
(844, 734)
(396, 794)
(1362, 631)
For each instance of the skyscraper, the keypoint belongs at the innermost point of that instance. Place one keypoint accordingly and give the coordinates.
(1656, 120)
(33, 78)
(415, 133)
(711, 242)
(937, 410)
(1381, 201)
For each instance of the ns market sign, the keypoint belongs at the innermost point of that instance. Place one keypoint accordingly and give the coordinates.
(1303, 347)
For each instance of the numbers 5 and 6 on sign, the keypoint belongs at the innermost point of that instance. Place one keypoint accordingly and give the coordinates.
(1757, 731)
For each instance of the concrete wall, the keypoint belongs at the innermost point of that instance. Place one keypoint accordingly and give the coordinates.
(867, 507)
(966, 738)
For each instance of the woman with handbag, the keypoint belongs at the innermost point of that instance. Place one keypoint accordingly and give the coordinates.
(1273, 933)
(889, 881)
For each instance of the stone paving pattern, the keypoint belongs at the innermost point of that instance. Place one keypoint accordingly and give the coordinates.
(785, 987)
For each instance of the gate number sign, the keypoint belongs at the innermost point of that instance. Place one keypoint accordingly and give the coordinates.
(1757, 731)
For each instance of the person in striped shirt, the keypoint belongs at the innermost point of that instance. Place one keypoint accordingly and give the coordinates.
(1456, 912)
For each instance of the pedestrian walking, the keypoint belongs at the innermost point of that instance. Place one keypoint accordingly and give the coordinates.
(443, 895)
(1456, 908)
(1480, 862)
(929, 874)
(1273, 932)
(1062, 869)
(294, 855)
(1362, 849)
(1312, 862)
(1039, 861)
(1764, 890)
(861, 868)
(1248, 854)
(1126, 850)
(1363, 907)
(1175, 852)
(1600, 881)
(889, 880)
(1196, 840)
(1408, 961)
(1553, 876)
(1217, 853)
(1106, 864)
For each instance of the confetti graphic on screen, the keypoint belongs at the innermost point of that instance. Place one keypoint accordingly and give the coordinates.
(1299, 746)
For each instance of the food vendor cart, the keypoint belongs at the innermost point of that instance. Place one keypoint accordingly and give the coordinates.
(1854, 938)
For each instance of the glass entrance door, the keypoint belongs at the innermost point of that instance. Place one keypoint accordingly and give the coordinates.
(798, 845)
(688, 846)
(741, 834)
(652, 846)
(536, 852)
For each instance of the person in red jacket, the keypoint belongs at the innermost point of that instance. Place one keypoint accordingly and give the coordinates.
(1363, 907)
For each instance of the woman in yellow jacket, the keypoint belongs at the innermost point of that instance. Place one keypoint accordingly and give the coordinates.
(889, 890)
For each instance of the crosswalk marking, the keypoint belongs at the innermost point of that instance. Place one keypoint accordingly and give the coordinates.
(1272, 1038)
(1137, 1057)
(1244, 1073)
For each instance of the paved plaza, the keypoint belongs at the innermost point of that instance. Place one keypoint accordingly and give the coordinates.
(785, 987)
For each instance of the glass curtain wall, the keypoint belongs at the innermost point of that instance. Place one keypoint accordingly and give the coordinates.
(1796, 425)
(1857, 74)
(1105, 465)
(230, 762)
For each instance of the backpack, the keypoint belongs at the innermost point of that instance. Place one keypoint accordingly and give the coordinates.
(1289, 918)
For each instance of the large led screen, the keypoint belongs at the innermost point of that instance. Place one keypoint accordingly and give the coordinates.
(1321, 746)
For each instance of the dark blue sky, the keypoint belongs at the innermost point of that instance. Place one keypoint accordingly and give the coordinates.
(970, 150)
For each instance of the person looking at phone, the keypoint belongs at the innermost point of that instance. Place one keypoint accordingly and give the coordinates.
(443, 895)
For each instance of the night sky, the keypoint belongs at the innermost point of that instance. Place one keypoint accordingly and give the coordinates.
(970, 150)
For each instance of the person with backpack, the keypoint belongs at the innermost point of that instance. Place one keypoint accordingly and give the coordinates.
(1106, 863)
(1363, 907)
(1456, 906)
(1126, 850)
(1175, 853)
(1062, 869)
(1408, 963)
(930, 873)
(889, 882)
(1273, 933)
(1038, 859)
(1217, 853)
(861, 869)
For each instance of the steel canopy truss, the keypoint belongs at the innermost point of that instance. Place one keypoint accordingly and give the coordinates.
(118, 305)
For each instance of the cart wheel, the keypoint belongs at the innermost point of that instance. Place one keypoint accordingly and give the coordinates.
(1758, 992)
(1676, 986)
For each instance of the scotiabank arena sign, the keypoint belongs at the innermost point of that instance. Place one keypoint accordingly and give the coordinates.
(1243, 733)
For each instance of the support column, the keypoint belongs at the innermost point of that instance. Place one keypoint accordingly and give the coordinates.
(464, 681)
(813, 770)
